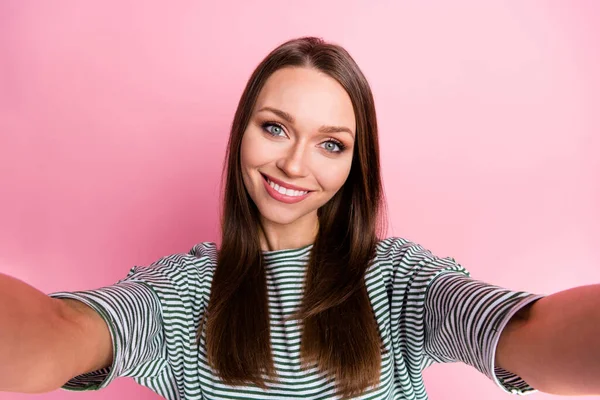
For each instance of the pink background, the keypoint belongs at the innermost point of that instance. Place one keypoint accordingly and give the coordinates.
(114, 117)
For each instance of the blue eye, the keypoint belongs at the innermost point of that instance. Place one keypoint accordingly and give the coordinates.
(331, 144)
(272, 128)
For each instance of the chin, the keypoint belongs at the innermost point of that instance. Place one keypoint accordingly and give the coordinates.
(283, 217)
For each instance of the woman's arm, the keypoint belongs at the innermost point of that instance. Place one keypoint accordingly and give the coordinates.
(554, 345)
(44, 342)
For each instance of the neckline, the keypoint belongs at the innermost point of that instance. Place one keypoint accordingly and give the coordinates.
(297, 251)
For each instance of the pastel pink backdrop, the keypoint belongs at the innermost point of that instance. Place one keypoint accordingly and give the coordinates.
(114, 118)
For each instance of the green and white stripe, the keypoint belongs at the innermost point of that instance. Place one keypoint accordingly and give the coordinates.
(428, 310)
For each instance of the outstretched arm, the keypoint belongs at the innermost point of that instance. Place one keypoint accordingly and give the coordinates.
(44, 342)
(555, 344)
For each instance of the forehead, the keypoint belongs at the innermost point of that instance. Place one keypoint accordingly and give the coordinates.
(310, 96)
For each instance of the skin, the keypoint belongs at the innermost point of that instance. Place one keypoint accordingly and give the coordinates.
(303, 151)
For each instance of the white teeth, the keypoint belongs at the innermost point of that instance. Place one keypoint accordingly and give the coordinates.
(287, 192)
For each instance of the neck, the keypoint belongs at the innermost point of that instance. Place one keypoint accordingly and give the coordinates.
(299, 233)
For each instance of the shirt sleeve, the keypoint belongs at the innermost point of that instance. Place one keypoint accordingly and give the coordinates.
(132, 310)
(464, 319)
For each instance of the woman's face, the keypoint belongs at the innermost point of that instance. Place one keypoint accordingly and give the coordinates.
(297, 150)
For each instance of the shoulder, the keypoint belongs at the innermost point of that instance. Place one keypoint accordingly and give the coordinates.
(401, 250)
(405, 258)
(183, 271)
(404, 251)
(390, 246)
(205, 251)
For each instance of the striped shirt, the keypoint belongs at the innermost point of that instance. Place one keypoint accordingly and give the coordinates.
(428, 310)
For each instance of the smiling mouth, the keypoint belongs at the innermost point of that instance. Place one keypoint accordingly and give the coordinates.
(283, 190)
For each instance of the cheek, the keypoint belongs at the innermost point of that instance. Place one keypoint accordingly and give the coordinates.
(334, 176)
(245, 151)
(253, 152)
(246, 161)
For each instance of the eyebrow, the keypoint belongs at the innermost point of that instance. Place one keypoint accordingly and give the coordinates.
(323, 129)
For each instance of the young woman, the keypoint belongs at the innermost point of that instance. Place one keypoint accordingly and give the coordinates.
(306, 298)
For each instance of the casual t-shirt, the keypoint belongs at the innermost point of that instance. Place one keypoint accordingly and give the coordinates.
(428, 310)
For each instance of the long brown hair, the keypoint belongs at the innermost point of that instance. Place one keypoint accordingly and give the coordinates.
(340, 334)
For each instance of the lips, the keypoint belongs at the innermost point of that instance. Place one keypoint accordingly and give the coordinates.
(284, 184)
(284, 198)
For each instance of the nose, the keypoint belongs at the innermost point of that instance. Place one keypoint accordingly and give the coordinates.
(294, 161)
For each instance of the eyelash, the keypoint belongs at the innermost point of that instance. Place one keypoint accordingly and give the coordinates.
(339, 144)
